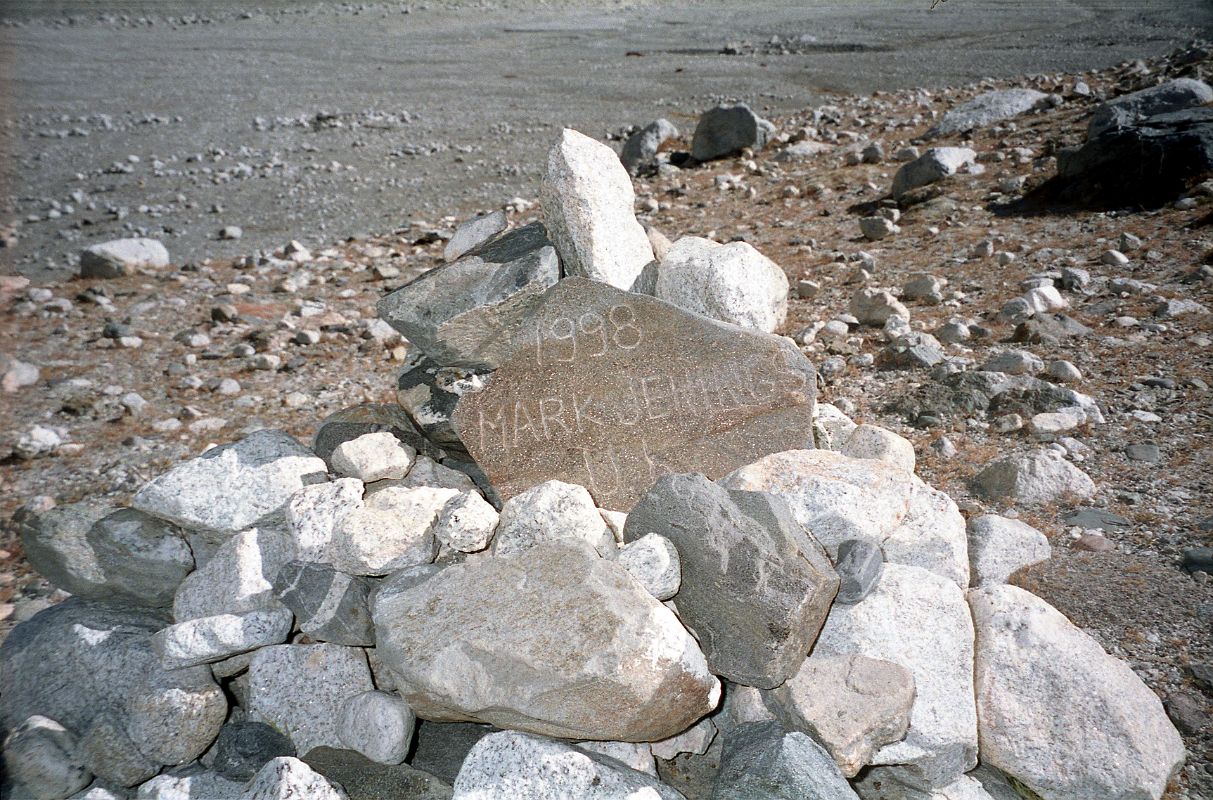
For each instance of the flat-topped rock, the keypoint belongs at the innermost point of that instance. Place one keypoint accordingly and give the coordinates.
(609, 390)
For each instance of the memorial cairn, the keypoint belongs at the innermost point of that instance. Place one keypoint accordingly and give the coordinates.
(607, 546)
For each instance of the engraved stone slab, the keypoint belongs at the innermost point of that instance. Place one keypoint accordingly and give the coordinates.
(610, 390)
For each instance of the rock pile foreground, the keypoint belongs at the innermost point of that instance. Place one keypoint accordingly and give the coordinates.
(627, 546)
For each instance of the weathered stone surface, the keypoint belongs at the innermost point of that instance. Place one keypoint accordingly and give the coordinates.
(587, 201)
(41, 755)
(549, 512)
(111, 753)
(554, 641)
(999, 546)
(313, 512)
(428, 392)
(762, 761)
(144, 559)
(1174, 95)
(920, 621)
(851, 704)
(636, 755)
(831, 427)
(207, 639)
(732, 282)
(237, 578)
(473, 233)
(364, 779)
(871, 441)
(695, 740)
(427, 473)
(78, 661)
(931, 536)
(525, 767)
(378, 725)
(835, 497)
(56, 545)
(1033, 479)
(933, 165)
(756, 587)
(243, 748)
(121, 257)
(464, 314)
(610, 389)
(234, 486)
(1058, 713)
(301, 689)
(986, 109)
(330, 606)
(724, 130)
(653, 561)
(391, 531)
(288, 778)
(641, 147)
(876, 306)
(443, 746)
(373, 457)
(466, 523)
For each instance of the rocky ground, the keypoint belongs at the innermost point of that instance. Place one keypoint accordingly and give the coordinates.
(136, 373)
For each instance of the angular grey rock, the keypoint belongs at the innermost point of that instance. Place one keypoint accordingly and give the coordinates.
(554, 640)
(301, 690)
(56, 545)
(287, 778)
(924, 287)
(243, 748)
(465, 313)
(635, 755)
(934, 165)
(588, 200)
(911, 351)
(653, 561)
(237, 578)
(640, 149)
(207, 639)
(1014, 362)
(363, 779)
(1174, 95)
(986, 109)
(144, 559)
(831, 427)
(1033, 479)
(373, 457)
(392, 530)
(695, 740)
(313, 513)
(732, 282)
(875, 306)
(78, 661)
(235, 486)
(756, 587)
(859, 566)
(920, 621)
(612, 389)
(42, 756)
(427, 473)
(761, 761)
(525, 767)
(121, 257)
(835, 497)
(466, 523)
(350, 423)
(378, 725)
(330, 606)
(881, 444)
(196, 786)
(876, 228)
(851, 704)
(725, 130)
(552, 511)
(1031, 661)
(473, 233)
(428, 392)
(111, 753)
(931, 536)
(999, 546)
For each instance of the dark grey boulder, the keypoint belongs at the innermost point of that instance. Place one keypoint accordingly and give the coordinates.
(756, 587)
(465, 313)
(1175, 95)
(761, 761)
(328, 605)
(428, 392)
(859, 566)
(725, 130)
(640, 149)
(57, 547)
(441, 747)
(143, 558)
(364, 779)
(243, 748)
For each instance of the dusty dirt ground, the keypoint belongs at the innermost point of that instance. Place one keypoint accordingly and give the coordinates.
(206, 320)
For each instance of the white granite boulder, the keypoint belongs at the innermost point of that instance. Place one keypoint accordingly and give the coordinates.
(1033, 479)
(551, 511)
(120, 257)
(730, 282)
(934, 165)
(999, 546)
(588, 200)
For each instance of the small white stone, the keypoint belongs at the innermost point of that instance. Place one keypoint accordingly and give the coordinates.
(378, 725)
(393, 530)
(548, 512)
(467, 523)
(373, 457)
(653, 561)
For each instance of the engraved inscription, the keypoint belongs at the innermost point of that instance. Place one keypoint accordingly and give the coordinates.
(590, 335)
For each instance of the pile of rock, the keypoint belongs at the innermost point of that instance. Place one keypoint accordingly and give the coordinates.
(616, 549)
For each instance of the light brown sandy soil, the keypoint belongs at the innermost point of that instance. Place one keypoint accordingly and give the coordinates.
(1135, 599)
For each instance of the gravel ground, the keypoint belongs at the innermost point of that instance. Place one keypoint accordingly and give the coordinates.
(322, 120)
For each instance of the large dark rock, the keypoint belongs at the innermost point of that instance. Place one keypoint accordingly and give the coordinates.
(441, 747)
(428, 392)
(608, 390)
(1146, 163)
(725, 130)
(762, 761)
(329, 606)
(756, 586)
(243, 748)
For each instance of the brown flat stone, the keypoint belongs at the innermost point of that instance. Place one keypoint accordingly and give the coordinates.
(610, 389)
